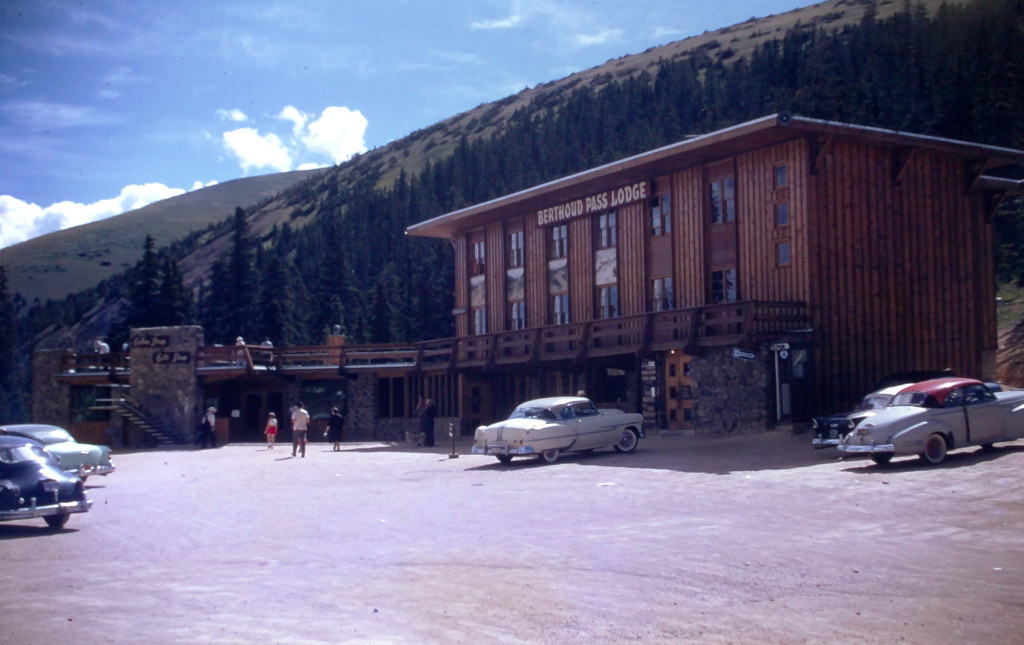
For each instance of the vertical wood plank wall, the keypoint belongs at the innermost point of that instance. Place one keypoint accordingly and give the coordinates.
(889, 249)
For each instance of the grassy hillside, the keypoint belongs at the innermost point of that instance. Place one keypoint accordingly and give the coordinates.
(58, 264)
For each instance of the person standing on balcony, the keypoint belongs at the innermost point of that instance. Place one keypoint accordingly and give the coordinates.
(300, 426)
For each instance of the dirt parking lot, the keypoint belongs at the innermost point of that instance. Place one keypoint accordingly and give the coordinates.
(690, 540)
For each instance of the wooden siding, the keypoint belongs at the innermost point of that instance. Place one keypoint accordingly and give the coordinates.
(496, 275)
(901, 267)
(631, 271)
(688, 216)
(581, 269)
(462, 252)
(536, 272)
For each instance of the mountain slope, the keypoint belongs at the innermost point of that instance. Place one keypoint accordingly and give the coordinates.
(64, 262)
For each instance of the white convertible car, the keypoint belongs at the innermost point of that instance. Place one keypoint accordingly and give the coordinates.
(933, 417)
(548, 427)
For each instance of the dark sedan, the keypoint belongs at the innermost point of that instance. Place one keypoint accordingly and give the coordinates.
(32, 484)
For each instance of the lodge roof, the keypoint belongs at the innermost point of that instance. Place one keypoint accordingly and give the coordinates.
(759, 133)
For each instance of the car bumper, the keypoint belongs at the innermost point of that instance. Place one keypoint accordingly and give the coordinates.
(866, 449)
(502, 449)
(46, 510)
(821, 442)
(89, 471)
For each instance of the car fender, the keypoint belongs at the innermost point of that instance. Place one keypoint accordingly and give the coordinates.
(1015, 422)
(912, 438)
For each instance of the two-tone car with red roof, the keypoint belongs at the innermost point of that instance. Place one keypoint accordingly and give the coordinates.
(933, 417)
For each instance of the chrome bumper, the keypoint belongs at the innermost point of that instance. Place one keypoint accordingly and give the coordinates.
(866, 449)
(819, 442)
(502, 449)
(89, 471)
(46, 510)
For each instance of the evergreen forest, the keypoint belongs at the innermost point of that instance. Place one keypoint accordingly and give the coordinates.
(955, 73)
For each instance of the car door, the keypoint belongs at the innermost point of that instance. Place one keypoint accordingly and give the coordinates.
(986, 416)
(595, 432)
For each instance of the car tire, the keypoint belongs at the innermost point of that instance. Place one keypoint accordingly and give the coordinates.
(935, 449)
(882, 458)
(550, 456)
(57, 522)
(504, 459)
(628, 441)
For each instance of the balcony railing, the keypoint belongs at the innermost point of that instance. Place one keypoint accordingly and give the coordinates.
(741, 323)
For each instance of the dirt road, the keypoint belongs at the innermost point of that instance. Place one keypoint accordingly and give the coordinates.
(741, 540)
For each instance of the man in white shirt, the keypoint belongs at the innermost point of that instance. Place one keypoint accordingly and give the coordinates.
(300, 425)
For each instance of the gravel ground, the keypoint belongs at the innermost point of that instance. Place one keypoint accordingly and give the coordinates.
(757, 539)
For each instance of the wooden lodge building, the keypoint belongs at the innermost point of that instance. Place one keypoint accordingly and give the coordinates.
(732, 282)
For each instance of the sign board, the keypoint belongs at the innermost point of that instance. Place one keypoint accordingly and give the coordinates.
(744, 354)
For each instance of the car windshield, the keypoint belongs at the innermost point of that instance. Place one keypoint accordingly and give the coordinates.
(915, 399)
(19, 454)
(875, 402)
(531, 412)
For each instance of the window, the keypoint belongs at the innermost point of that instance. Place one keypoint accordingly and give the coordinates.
(782, 214)
(607, 232)
(723, 200)
(781, 178)
(662, 296)
(661, 215)
(515, 249)
(782, 254)
(480, 321)
(560, 309)
(559, 241)
(479, 257)
(390, 398)
(517, 315)
(723, 286)
(608, 302)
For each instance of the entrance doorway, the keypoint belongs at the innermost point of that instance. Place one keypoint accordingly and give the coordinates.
(678, 391)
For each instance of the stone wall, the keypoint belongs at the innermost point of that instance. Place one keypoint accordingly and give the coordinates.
(163, 375)
(50, 398)
(732, 395)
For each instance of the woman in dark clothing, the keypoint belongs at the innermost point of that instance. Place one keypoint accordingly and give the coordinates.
(335, 428)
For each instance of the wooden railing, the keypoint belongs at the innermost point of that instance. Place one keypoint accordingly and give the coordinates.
(740, 323)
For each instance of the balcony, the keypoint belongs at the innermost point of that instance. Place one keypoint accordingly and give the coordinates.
(742, 324)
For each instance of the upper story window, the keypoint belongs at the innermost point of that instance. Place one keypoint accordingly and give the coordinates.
(560, 309)
(723, 200)
(608, 302)
(517, 314)
(781, 177)
(559, 241)
(662, 295)
(782, 214)
(607, 231)
(515, 249)
(479, 257)
(661, 215)
(782, 254)
(723, 286)
(480, 321)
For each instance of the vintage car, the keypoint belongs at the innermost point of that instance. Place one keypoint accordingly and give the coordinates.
(548, 427)
(32, 484)
(830, 430)
(81, 459)
(932, 417)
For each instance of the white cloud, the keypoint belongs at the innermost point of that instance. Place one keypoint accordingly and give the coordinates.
(599, 38)
(20, 221)
(338, 133)
(255, 151)
(298, 119)
(235, 115)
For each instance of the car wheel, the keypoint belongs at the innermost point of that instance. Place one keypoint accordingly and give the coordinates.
(881, 458)
(628, 441)
(504, 459)
(988, 447)
(550, 456)
(934, 450)
(57, 522)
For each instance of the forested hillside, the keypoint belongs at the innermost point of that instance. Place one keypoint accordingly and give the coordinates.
(343, 259)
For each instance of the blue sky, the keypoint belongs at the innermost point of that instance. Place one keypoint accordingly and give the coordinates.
(108, 105)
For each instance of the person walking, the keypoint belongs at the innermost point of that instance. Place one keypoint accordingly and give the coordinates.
(271, 430)
(300, 426)
(335, 428)
(206, 427)
(426, 411)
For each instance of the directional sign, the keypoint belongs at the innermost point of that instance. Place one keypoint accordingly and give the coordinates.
(746, 355)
